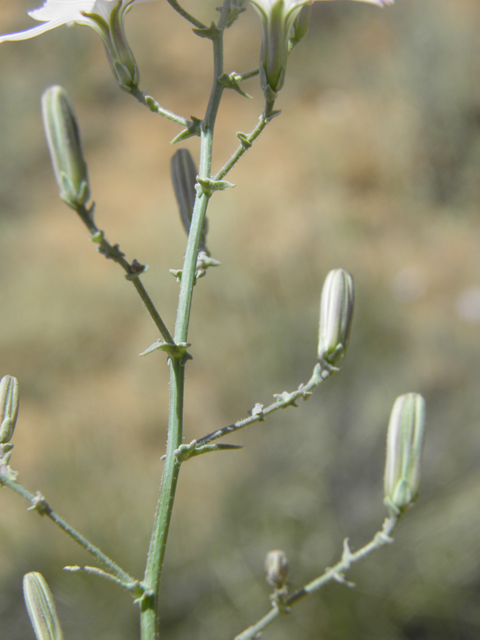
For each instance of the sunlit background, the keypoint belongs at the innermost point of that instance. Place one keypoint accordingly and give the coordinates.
(373, 166)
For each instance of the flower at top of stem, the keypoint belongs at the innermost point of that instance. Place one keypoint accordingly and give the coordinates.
(9, 404)
(406, 432)
(276, 568)
(105, 16)
(55, 13)
(278, 20)
(336, 314)
(63, 139)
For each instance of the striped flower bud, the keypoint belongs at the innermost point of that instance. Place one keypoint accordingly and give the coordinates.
(63, 139)
(41, 607)
(277, 18)
(276, 568)
(283, 27)
(109, 22)
(9, 404)
(404, 451)
(184, 177)
(336, 314)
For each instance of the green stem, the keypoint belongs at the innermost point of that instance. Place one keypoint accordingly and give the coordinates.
(132, 271)
(335, 573)
(240, 77)
(153, 572)
(156, 553)
(142, 292)
(38, 503)
(155, 107)
(185, 14)
(244, 146)
(321, 372)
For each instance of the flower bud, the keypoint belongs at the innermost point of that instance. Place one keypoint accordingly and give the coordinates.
(276, 568)
(184, 178)
(41, 607)
(278, 17)
(9, 404)
(404, 451)
(63, 139)
(111, 29)
(336, 313)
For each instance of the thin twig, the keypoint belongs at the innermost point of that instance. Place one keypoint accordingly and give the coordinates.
(321, 372)
(336, 573)
(39, 504)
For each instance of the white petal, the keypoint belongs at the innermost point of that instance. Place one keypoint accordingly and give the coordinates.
(65, 10)
(31, 33)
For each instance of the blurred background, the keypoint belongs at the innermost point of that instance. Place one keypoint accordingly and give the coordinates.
(373, 166)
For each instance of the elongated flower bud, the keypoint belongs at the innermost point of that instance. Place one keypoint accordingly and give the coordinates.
(276, 568)
(41, 607)
(277, 18)
(404, 451)
(9, 404)
(184, 178)
(111, 28)
(63, 140)
(336, 314)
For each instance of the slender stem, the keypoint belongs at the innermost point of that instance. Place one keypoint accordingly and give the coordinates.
(321, 372)
(135, 587)
(142, 292)
(185, 14)
(156, 553)
(153, 572)
(155, 107)
(244, 146)
(38, 503)
(335, 573)
(240, 77)
(133, 270)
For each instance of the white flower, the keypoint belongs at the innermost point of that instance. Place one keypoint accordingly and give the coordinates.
(279, 18)
(290, 4)
(105, 16)
(56, 13)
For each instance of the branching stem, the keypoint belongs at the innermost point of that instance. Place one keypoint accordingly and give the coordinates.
(155, 107)
(321, 372)
(174, 4)
(336, 573)
(153, 572)
(133, 270)
(39, 504)
(246, 143)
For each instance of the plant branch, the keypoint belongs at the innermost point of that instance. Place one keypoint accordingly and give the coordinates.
(39, 504)
(281, 605)
(133, 270)
(136, 588)
(174, 4)
(246, 142)
(240, 77)
(155, 107)
(321, 372)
